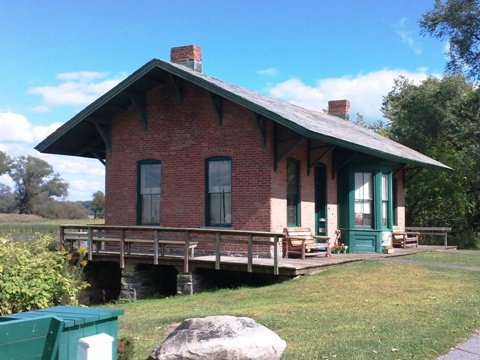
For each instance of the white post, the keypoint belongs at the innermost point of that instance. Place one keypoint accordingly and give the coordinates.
(95, 347)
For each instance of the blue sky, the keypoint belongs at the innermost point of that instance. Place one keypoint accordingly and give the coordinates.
(59, 56)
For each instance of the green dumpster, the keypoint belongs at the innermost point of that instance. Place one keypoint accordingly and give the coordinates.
(78, 322)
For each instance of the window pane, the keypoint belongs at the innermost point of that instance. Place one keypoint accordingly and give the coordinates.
(220, 192)
(150, 193)
(293, 196)
(150, 179)
(384, 187)
(363, 198)
(384, 213)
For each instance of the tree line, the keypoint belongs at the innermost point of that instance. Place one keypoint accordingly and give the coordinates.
(440, 117)
(38, 190)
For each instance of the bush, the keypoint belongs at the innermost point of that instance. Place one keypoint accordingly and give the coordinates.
(125, 348)
(36, 274)
(464, 240)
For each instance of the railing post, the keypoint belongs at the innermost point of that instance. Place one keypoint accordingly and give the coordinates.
(90, 243)
(187, 247)
(217, 251)
(155, 247)
(122, 248)
(250, 253)
(445, 239)
(275, 255)
(62, 236)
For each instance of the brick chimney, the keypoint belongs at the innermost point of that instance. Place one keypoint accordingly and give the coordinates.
(339, 108)
(189, 56)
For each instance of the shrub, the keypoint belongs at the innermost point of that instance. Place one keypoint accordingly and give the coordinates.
(36, 274)
(465, 240)
(125, 348)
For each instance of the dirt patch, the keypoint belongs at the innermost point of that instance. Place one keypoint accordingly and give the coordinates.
(19, 218)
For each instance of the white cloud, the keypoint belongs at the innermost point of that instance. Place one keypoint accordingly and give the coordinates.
(407, 37)
(15, 128)
(268, 72)
(364, 91)
(77, 88)
(18, 136)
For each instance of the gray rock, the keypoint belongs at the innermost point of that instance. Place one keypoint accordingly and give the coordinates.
(220, 338)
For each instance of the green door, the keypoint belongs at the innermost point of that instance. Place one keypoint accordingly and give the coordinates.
(320, 200)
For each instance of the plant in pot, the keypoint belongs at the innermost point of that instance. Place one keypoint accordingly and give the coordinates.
(388, 249)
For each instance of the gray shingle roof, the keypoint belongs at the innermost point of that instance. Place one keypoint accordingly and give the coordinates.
(311, 124)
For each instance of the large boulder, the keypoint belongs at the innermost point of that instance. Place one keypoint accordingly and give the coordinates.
(220, 337)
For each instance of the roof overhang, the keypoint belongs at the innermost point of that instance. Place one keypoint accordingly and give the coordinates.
(87, 133)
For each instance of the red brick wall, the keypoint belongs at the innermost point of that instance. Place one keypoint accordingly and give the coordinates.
(182, 136)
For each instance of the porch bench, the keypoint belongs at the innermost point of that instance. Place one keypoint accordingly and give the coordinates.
(301, 241)
(404, 238)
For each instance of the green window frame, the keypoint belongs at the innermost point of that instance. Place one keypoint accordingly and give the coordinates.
(149, 175)
(293, 192)
(385, 199)
(364, 191)
(218, 191)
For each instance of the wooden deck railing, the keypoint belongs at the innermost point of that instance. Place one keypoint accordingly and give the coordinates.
(432, 231)
(153, 240)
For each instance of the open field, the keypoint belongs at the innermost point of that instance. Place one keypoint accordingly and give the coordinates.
(358, 311)
(14, 224)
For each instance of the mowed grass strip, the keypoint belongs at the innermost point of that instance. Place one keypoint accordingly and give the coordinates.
(358, 311)
(461, 258)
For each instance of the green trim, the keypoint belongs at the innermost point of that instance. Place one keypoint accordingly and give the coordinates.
(321, 221)
(297, 202)
(207, 197)
(139, 196)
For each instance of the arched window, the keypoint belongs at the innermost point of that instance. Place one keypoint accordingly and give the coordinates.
(149, 192)
(293, 192)
(218, 192)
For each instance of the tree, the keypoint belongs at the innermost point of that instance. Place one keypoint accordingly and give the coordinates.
(457, 21)
(440, 118)
(34, 177)
(98, 204)
(5, 163)
(7, 199)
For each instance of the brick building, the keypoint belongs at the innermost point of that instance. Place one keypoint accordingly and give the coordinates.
(183, 149)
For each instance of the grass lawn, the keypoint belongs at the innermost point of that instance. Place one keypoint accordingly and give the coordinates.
(448, 257)
(359, 311)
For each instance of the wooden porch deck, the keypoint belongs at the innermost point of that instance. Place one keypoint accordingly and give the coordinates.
(294, 267)
(286, 267)
(152, 240)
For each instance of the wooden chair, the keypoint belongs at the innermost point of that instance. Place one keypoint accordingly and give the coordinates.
(301, 241)
(404, 238)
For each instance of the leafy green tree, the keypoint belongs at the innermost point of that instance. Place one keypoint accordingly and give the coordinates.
(52, 209)
(98, 204)
(457, 21)
(5, 163)
(34, 177)
(440, 118)
(7, 199)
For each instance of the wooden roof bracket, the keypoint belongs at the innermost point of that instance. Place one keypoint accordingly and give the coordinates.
(399, 169)
(317, 160)
(99, 158)
(279, 157)
(217, 106)
(261, 121)
(139, 102)
(104, 138)
(416, 171)
(177, 85)
(342, 165)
